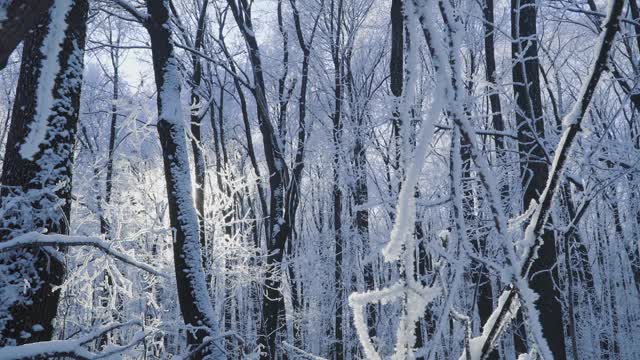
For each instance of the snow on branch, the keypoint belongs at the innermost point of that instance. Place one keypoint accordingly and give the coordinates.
(141, 17)
(74, 348)
(412, 294)
(36, 239)
(533, 232)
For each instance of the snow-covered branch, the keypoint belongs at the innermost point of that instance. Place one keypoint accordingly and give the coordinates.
(572, 122)
(141, 17)
(72, 348)
(36, 239)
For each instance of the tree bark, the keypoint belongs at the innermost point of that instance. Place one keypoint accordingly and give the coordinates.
(43, 180)
(195, 304)
(533, 166)
(20, 17)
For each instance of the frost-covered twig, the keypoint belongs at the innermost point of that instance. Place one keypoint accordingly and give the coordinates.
(466, 321)
(36, 239)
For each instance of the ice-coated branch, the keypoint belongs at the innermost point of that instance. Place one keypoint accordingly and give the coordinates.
(571, 122)
(413, 296)
(36, 239)
(74, 348)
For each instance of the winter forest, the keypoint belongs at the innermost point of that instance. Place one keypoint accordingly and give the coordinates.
(320, 179)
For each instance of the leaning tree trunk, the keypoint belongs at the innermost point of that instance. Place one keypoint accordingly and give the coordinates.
(36, 174)
(534, 170)
(195, 304)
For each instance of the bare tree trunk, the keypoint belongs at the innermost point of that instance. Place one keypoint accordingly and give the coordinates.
(195, 304)
(47, 172)
(484, 298)
(533, 168)
(115, 62)
(336, 54)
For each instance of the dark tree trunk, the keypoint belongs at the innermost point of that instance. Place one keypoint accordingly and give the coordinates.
(193, 296)
(38, 177)
(20, 17)
(484, 299)
(104, 223)
(273, 309)
(396, 72)
(196, 128)
(534, 170)
(361, 221)
(336, 26)
(293, 190)
(283, 190)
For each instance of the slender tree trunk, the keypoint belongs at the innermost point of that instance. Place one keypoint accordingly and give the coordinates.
(485, 293)
(336, 54)
(293, 190)
(534, 170)
(396, 72)
(45, 177)
(196, 128)
(104, 223)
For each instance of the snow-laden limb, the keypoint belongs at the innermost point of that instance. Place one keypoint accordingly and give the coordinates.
(36, 239)
(405, 209)
(141, 17)
(532, 238)
(51, 48)
(74, 348)
(358, 303)
(466, 321)
(414, 297)
(476, 344)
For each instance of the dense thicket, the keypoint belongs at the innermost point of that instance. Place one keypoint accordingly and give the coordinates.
(321, 179)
